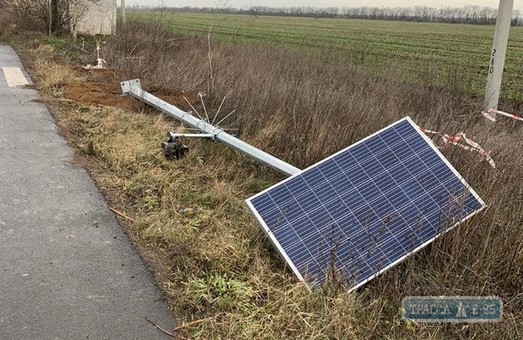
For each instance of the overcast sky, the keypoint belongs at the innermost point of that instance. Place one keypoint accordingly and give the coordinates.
(320, 3)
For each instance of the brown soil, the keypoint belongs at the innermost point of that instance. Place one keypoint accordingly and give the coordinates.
(99, 94)
(102, 88)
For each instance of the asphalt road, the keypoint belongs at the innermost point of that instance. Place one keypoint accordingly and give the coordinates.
(67, 270)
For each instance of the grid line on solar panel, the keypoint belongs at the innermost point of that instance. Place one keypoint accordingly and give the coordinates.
(366, 207)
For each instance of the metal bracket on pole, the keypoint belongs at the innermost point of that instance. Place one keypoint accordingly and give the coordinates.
(127, 85)
(134, 88)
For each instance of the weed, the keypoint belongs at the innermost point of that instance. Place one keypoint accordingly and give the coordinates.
(219, 292)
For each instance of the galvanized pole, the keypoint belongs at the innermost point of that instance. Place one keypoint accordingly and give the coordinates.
(134, 88)
(497, 58)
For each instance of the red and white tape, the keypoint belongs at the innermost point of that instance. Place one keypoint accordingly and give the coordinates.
(460, 140)
(492, 112)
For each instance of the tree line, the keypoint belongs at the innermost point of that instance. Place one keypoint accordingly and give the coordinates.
(469, 14)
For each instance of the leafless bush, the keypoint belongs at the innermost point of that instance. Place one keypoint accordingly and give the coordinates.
(52, 16)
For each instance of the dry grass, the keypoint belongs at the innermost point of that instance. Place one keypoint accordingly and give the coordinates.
(215, 263)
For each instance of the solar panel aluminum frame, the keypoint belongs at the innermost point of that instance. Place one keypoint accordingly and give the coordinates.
(290, 263)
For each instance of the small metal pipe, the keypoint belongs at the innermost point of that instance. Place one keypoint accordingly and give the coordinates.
(134, 88)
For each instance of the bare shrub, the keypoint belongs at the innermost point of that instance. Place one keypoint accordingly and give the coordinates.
(52, 16)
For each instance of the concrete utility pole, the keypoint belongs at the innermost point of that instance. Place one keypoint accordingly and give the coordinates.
(497, 57)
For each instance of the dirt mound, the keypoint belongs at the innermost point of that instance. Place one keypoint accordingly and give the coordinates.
(99, 94)
(102, 88)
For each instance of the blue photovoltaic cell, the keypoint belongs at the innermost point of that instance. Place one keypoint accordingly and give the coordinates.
(366, 208)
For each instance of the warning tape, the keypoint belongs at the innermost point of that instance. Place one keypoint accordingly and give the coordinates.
(461, 141)
(490, 115)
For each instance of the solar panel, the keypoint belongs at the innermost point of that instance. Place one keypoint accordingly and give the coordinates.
(366, 208)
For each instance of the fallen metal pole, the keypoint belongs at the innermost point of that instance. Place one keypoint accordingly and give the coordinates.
(134, 88)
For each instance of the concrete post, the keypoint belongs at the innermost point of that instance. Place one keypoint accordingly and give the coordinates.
(497, 57)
